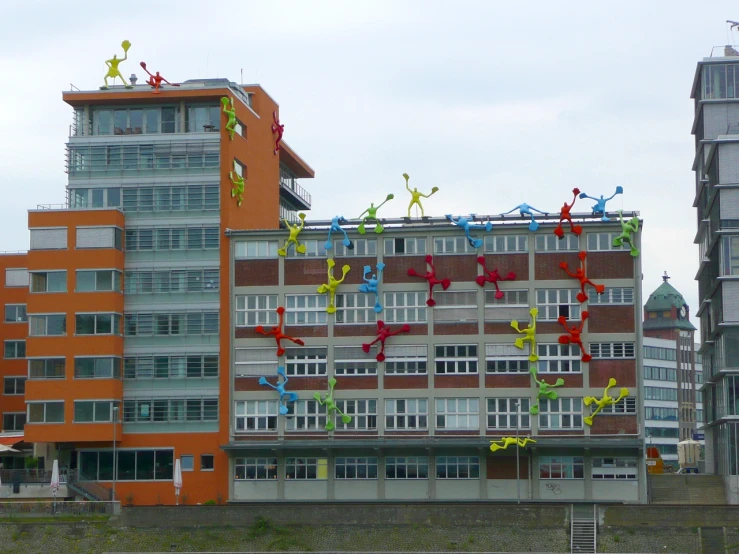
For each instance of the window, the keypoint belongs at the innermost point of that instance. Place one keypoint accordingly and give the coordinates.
(457, 467)
(15, 313)
(254, 361)
(49, 281)
(455, 306)
(405, 360)
(306, 309)
(48, 368)
(187, 238)
(502, 413)
(561, 467)
(99, 237)
(612, 350)
(729, 255)
(416, 467)
(255, 469)
(626, 406)
(614, 468)
(96, 281)
(97, 324)
(362, 247)
(256, 415)
(170, 410)
(48, 325)
(455, 414)
(16, 278)
(553, 303)
(171, 198)
(207, 462)
(251, 249)
(453, 245)
(456, 359)
(14, 421)
(600, 242)
(307, 415)
(355, 308)
(657, 353)
(406, 414)
(13, 386)
(203, 119)
(362, 412)
(97, 368)
(355, 468)
(306, 468)
(136, 121)
(172, 281)
(617, 295)
(661, 414)
(49, 239)
(45, 412)
(660, 373)
(187, 462)
(166, 324)
(256, 309)
(313, 249)
(405, 307)
(506, 358)
(15, 349)
(562, 413)
(408, 246)
(559, 358)
(305, 361)
(659, 393)
(93, 411)
(132, 465)
(552, 243)
(352, 360)
(502, 244)
(98, 197)
(513, 306)
(662, 432)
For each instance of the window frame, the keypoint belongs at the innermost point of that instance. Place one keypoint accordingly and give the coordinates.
(260, 249)
(569, 467)
(15, 318)
(359, 465)
(464, 361)
(550, 310)
(45, 405)
(465, 410)
(412, 408)
(32, 319)
(419, 248)
(35, 281)
(448, 308)
(621, 350)
(353, 313)
(552, 243)
(243, 464)
(307, 314)
(300, 469)
(550, 409)
(262, 312)
(358, 365)
(363, 412)
(308, 361)
(18, 385)
(567, 358)
(406, 359)
(496, 416)
(491, 244)
(15, 344)
(419, 464)
(471, 463)
(269, 416)
(515, 360)
(418, 309)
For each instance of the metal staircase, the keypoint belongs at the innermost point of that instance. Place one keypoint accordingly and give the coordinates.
(90, 490)
(583, 528)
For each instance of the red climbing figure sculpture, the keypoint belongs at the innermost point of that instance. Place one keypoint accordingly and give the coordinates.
(580, 275)
(383, 333)
(573, 336)
(564, 215)
(155, 80)
(278, 334)
(279, 129)
(492, 277)
(430, 276)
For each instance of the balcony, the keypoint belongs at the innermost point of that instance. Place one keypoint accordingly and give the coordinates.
(294, 194)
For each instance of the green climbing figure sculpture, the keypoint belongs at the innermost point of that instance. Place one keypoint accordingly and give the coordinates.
(627, 228)
(530, 335)
(330, 287)
(237, 191)
(372, 216)
(293, 238)
(545, 390)
(231, 114)
(113, 63)
(331, 407)
(607, 400)
(416, 196)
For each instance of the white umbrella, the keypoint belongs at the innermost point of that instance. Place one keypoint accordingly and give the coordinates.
(54, 485)
(177, 480)
(6, 448)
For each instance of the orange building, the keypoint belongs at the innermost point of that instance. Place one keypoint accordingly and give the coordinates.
(127, 286)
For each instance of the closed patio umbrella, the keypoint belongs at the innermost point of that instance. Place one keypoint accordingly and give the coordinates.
(177, 480)
(54, 485)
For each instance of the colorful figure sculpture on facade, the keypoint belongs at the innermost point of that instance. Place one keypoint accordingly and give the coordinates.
(293, 238)
(372, 216)
(564, 215)
(330, 287)
(237, 191)
(230, 111)
(573, 335)
(278, 129)
(544, 390)
(336, 227)
(277, 332)
(606, 400)
(371, 283)
(529, 335)
(581, 275)
(155, 80)
(114, 62)
(492, 277)
(600, 203)
(285, 396)
(505, 442)
(627, 229)
(383, 333)
(466, 224)
(430, 276)
(526, 210)
(416, 196)
(331, 408)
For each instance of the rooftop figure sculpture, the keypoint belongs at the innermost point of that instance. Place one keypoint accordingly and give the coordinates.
(293, 238)
(155, 80)
(416, 196)
(564, 215)
(466, 224)
(526, 210)
(336, 227)
(372, 216)
(627, 229)
(600, 203)
(114, 62)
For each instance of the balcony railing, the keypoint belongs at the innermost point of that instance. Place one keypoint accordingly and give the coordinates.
(30, 475)
(295, 188)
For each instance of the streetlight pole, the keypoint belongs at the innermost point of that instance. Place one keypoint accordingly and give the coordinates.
(115, 468)
(518, 448)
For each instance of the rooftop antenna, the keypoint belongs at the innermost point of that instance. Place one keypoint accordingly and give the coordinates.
(242, 76)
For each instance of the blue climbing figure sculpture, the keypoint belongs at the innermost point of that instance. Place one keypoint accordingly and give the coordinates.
(466, 224)
(336, 226)
(288, 397)
(524, 210)
(370, 284)
(600, 206)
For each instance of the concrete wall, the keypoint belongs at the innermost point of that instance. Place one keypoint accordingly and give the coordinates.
(561, 489)
(31, 491)
(611, 491)
(359, 489)
(255, 490)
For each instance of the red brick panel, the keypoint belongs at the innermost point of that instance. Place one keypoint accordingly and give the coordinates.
(354, 277)
(266, 437)
(303, 331)
(504, 263)
(305, 435)
(406, 381)
(572, 380)
(546, 266)
(396, 269)
(465, 328)
(416, 329)
(242, 384)
(503, 466)
(565, 432)
(357, 382)
(610, 265)
(507, 381)
(311, 383)
(355, 330)
(353, 434)
(610, 319)
(549, 327)
(624, 371)
(457, 268)
(614, 425)
(501, 328)
(251, 273)
(456, 381)
(308, 271)
(441, 432)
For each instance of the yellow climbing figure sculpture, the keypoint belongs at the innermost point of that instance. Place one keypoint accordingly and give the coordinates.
(113, 63)
(237, 191)
(416, 196)
(607, 400)
(293, 238)
(330, 287)
(505, 442)
(529, 335)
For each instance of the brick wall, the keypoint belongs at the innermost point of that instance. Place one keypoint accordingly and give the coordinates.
(357, 382)
(406, 381)
(504, 263)
(456, 381)
(256, 273)
(547, 267)
(355, 330)
(605, 424)
(500, 466)
(507, 381)
(308, 271)
(312, 383)
(461, 267)
(610, 265)
(624, 371)
(502, 328)
(396, 268)
(610, 319)
(354, 277)
(303, 331)
(466, 328)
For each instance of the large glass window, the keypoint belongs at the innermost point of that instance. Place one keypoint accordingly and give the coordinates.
(97, 368)
(355, 468)
(203, 119)
(457, 467)
(456, 359)
(561, 467)
(45, 412)
(49, 281)
(99, 280)
(93, 411)
(14, 386)
(48, 325)
(133, 465)
(15, 349)
(719, 81)
(553, 303)
(306, 468)
(255, 469)
(306, 309)
(15, 313)
(414, 467)
(405, 307)
(502, 413)
(46, 368)
(362, 412)
(307, 415)
(455, 414)
(97, 324)
(562, 413)
(255, 415)
(256, 309)
(406, 413)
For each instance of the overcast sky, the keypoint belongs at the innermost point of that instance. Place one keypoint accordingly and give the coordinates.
(496, 103)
